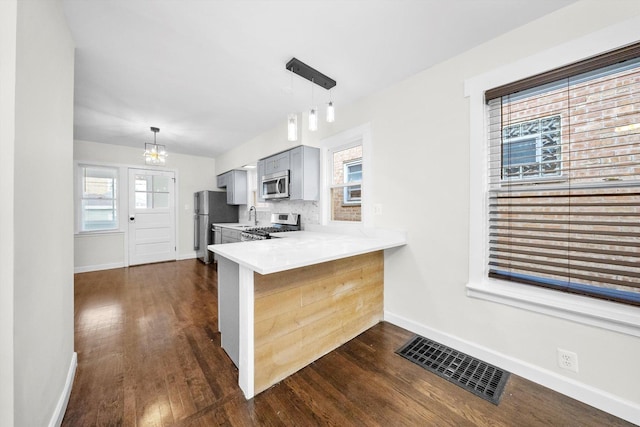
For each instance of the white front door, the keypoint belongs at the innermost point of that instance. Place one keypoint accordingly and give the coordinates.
(152, 236)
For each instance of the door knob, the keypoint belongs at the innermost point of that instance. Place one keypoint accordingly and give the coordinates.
(132, 218)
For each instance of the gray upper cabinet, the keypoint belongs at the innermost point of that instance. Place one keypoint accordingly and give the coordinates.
(221, 180)
(276, 163)
(235, 181)
(304, 175)
(303, 164)
(260, 173)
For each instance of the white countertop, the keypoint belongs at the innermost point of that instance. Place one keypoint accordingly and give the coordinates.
(296, 249)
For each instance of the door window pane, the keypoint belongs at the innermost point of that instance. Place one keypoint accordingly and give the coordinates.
(160, 200)
(142, 183)
(143, 200)
(151, 191)
(160, 184)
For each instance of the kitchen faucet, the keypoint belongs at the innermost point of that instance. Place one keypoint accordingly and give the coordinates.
(255, 214)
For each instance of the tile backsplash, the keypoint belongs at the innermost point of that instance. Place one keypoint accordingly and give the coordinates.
(309, 212)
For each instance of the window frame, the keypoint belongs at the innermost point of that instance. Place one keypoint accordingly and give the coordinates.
(581, 309)
(79, 198)
(122, 194)
(360, 135)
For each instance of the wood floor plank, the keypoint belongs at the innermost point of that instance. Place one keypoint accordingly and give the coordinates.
(149, 355)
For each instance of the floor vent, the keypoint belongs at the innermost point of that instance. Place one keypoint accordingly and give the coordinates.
(480, 378)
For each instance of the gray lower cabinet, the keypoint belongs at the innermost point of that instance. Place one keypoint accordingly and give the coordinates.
(235, 182)
(229, 235)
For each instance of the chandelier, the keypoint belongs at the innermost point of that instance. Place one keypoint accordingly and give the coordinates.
(155, 154)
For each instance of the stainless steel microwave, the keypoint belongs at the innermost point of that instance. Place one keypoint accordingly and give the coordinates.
(276, 185)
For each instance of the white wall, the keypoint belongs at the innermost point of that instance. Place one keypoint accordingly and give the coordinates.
(420, 132)
(99, 251)
(8, 21)
(192, 173)
(37, 215)
(262, 146)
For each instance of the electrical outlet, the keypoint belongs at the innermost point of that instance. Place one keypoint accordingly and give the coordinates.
(377, 209)
(568, 360)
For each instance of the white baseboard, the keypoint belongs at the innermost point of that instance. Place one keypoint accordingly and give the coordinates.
(98, 267)
(61, 407)
(592, 396)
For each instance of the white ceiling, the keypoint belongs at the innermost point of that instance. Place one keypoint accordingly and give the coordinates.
(211, 73)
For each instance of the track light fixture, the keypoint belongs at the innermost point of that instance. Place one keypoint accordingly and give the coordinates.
(316, 78)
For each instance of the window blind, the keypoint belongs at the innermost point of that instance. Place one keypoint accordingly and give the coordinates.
(564, 184)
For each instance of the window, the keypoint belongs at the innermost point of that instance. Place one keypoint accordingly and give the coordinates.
(531, 149)
(353, 173)
(564, 179)
(346, 183)
(98, 198)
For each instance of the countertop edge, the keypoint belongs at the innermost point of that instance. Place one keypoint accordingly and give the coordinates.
(377, 245)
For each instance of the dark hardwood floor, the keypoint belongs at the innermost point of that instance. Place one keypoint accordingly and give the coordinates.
(149, 355)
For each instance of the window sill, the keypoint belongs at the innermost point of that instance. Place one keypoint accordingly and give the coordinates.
(604, 314)
(97, 232)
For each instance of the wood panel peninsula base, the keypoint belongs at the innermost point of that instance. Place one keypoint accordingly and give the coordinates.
(273, 325)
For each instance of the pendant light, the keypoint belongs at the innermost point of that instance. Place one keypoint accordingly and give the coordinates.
(313, 119)
(313, 112)
(155, 154)
(292, 127)
(292, 119)
(331, 112)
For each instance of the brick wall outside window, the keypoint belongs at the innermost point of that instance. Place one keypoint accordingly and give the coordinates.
(589, 140)
(340, 211)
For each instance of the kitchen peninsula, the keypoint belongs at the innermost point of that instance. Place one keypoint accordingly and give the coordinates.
(285, 302)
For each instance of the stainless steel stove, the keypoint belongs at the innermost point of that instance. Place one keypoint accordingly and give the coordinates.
(280, 222)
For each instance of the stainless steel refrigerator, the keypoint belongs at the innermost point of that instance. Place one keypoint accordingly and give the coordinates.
(209, 207)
